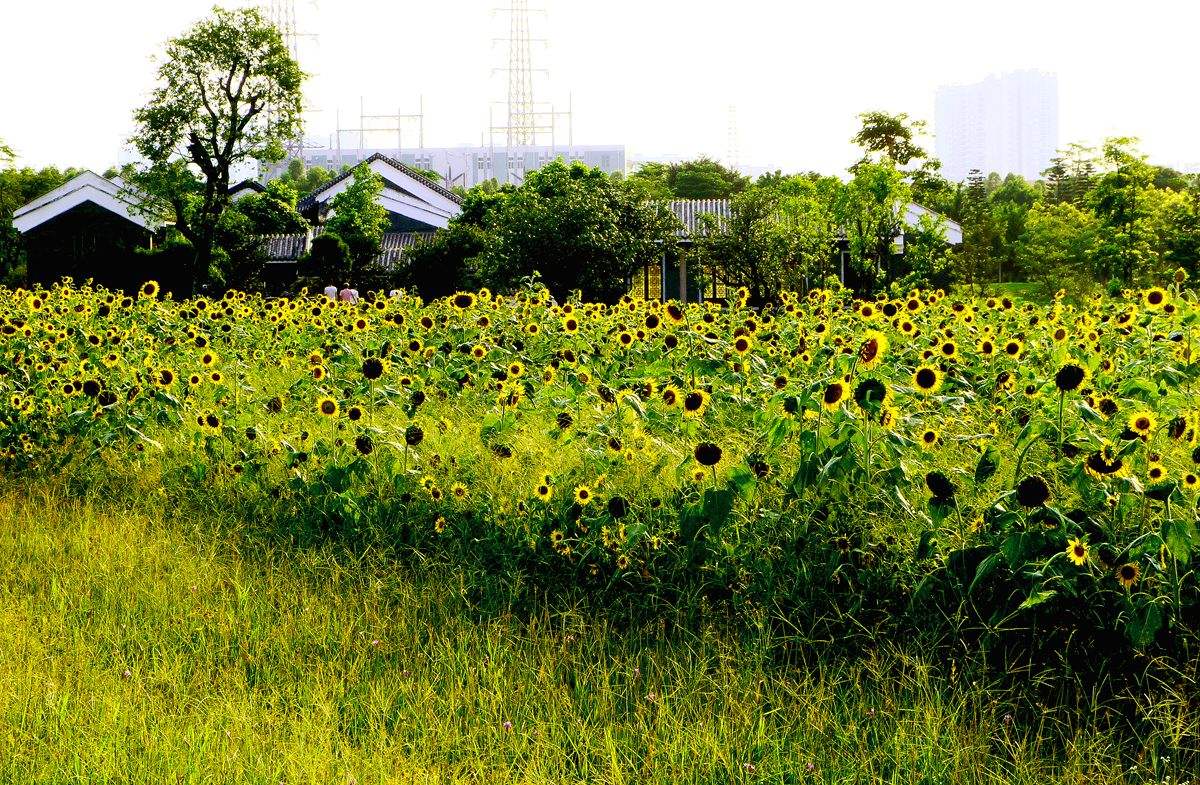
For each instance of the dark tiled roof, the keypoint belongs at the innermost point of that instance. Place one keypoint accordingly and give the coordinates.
(286, 248)
(310, 201)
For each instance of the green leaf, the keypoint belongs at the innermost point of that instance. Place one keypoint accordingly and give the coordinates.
(1144, 625)
(927, 545)
(989, 462)
(1037, 599)
(1181, 538)
(986, 568)
(743, 481)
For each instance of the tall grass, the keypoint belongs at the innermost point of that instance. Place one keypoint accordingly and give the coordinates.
(138, 647)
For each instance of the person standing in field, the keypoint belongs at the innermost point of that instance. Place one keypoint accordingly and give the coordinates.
(331, 292)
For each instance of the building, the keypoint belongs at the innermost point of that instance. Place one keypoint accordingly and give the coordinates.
(413, 202)
(464, 167)
(1006, 124)
(668, 278)
(87, 228)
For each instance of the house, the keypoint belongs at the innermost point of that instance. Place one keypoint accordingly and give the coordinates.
(413, 203)
(89, 227)
(245, 188)
(668, 278)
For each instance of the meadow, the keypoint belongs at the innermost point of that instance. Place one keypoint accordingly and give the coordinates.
(827, 540)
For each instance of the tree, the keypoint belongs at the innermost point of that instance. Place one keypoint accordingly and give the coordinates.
(1118, 199)
(272, 211)
(1058, 247)
(576, 227)
(702, 178)
(447, 263)
(358, 218)
(974, 261)
(871, 210)
(304, 180)
(228, 93)
(890, 135)
(780, 235)
(6, 153)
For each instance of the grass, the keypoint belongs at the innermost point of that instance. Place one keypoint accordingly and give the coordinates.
(138, 648)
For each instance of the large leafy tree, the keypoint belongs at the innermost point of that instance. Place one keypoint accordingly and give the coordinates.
(577, 228)
(779, 236)
(228, 94)
(702, 178)
(871, 209)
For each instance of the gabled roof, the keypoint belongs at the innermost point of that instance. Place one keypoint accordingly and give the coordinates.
(245, 188)
(88, 187)
(406, 172)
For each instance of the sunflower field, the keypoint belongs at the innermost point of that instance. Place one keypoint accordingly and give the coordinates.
(1012, 473)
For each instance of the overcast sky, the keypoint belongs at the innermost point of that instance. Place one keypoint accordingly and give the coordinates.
(658, 76)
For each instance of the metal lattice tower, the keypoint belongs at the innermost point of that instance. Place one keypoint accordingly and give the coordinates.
(529, 122)
(521, 119)
(282, 13)
(732, 146)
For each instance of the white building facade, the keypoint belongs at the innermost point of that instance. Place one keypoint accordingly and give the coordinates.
(1006, 124)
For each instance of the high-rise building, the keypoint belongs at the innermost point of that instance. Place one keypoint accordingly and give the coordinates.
(1006, 124)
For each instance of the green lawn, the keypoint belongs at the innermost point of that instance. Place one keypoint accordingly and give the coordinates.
(137, 649)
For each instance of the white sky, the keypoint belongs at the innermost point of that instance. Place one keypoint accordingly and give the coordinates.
(655, 75)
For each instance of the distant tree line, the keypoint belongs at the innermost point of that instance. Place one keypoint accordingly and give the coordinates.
(229, 94)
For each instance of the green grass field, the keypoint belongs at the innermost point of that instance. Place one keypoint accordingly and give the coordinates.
(136, 648)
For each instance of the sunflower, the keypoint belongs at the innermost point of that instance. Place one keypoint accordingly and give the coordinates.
(833, 396)
(986, 347)
(516, 368)
(544, 491)
(695, 402)
(1013, 347)
(1070, 377)
(462, 300)
(928, 438)
(1077, 551)
(927, 379)
(1127, 574)
(459, 491)
(743, 344)
(1191, 481)
(1033, 492)
(872, 349)
(149, 290)
(374, 367)
(439, 525)
(1155, 298)
(1104, 463)
(164, 377)
(1142, 423)
(327, 406)
(707, 454)
(583, 495)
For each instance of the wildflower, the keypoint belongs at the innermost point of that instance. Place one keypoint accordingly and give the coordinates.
(1033, 492)
(327, 406)
(1127, 574)
(1077, 551)
(707, 454)
(583, 495)
(927, 379)
(874, 346)
(1070, 376)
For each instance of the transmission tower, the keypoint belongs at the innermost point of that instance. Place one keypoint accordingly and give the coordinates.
(528, 121)
(732, 151)
(282, 14)
(520, 76)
